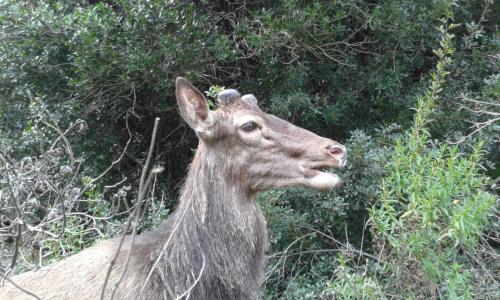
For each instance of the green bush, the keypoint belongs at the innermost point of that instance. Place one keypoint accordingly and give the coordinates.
(433, 205)
(322, 224)
(349, 284)
(347, 70)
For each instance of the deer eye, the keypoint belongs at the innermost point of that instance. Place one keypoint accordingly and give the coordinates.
(249, 126)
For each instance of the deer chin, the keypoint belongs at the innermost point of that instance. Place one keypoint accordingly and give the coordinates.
(321, 180)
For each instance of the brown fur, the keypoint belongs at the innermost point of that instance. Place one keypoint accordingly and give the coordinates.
(212, 246)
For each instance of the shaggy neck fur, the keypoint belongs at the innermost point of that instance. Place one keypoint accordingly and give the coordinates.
(215, 250)
(218, 236)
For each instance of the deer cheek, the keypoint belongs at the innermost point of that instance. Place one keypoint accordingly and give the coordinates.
(252, 139)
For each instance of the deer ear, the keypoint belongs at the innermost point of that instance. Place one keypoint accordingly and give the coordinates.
(193, 106)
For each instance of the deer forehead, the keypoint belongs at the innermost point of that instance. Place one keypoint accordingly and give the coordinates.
(238, 108)
(244, 116)
(242, 109)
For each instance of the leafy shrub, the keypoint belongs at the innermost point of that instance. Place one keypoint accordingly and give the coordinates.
(433, 205)
(307, 227)
(343, 69)
(430, 208)
(349, 284)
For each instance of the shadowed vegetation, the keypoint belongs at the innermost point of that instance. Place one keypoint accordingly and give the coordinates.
(410, 87)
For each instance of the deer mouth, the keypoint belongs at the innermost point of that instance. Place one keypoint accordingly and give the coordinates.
(318, 177)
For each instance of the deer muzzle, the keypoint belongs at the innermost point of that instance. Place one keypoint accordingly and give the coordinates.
(332, 154)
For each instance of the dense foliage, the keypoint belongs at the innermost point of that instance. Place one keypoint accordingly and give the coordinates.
(410, 87)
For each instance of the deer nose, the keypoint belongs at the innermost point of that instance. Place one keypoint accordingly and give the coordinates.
(338, 151)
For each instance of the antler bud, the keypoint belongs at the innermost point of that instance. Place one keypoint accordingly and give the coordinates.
(250, 99)
(227, 96)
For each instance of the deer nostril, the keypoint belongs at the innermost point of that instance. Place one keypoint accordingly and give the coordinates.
(337, 151)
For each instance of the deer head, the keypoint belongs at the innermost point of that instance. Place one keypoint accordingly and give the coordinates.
(256, 149)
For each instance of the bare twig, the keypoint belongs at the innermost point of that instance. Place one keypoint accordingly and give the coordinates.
(157, 261)
(318, 251)
(143, 186)
(188, 291)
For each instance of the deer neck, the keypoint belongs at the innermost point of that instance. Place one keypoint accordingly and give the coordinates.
(219, 214)
(219, 201)
(217, 230)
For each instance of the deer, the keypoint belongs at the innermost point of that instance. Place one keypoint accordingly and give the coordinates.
(213, 244)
